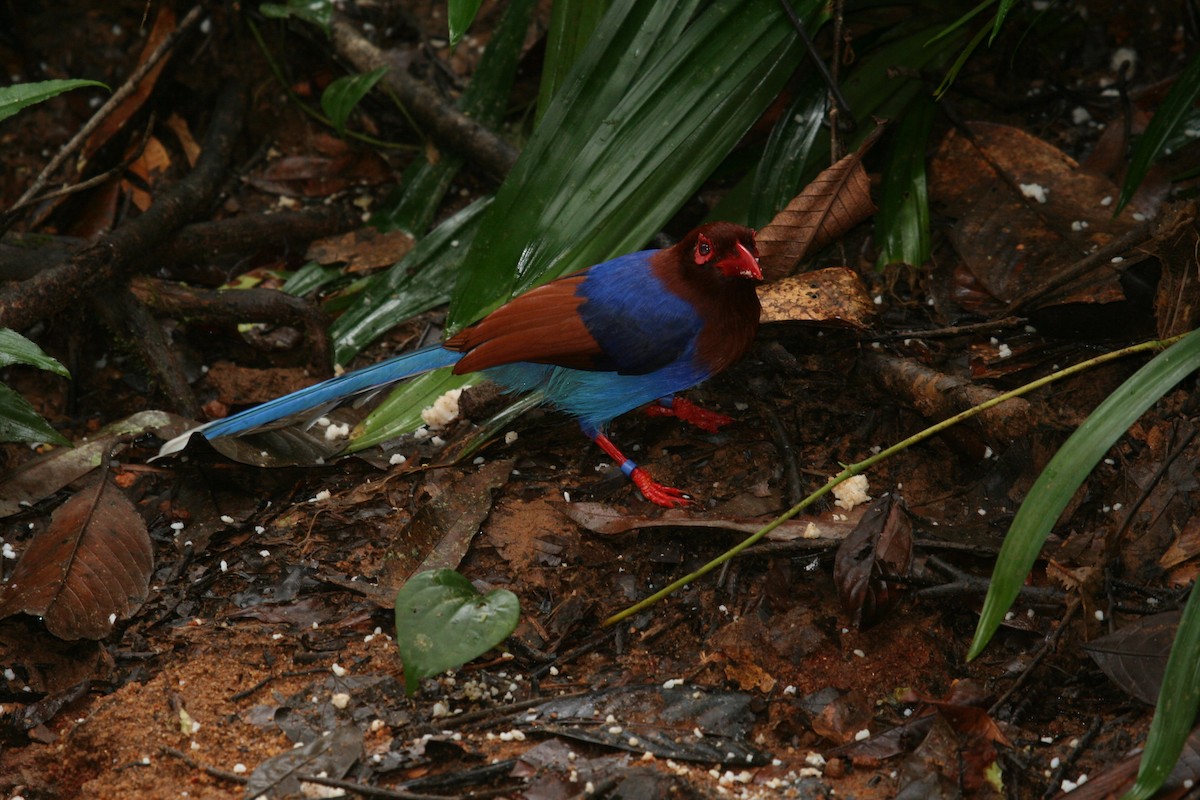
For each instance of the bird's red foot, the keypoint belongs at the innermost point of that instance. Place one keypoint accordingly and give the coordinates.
(691, 413)
(655, 492)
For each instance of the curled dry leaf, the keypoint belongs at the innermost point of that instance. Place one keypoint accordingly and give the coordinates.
(89, 567)
(837, 200)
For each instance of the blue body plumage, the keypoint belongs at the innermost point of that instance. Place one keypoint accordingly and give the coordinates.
(598, 343)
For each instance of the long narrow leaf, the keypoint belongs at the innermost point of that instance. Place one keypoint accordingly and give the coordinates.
(461, 15)
(782, 169)
(650, 108)
(16, 349)
(571, 25)
(19, 422)
(902, 224)
(1067, 470)
(425, 183)
(1175, 713)
(23, 95)
(419, 282)
(1165, 124)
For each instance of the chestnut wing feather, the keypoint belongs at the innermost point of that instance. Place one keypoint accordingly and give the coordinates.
(542, 326)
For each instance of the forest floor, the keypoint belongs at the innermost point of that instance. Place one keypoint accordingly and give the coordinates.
(263, 657)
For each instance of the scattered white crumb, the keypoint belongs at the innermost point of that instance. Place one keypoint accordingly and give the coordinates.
(324, 494)
(1033, 191)
(851, 492)
(443, 411)
(863, 734)
(510, 437)
(396, 459)
(337, 669)
(239, 768)
(1120, 56)
(334, 432)
(1080, 115)
(228, 520)
(1106, 200)
(340, 699)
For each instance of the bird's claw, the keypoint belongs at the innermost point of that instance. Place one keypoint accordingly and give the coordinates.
(705, 420)
(657, 493)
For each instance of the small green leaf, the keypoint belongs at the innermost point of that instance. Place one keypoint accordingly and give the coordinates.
(20, 423)
(16, 349)
(343, 95)
(442, 623)
(22, 95)
(461, 14)
(1178, 699)
(1168, 120)
(1077, 457)
(315, 12)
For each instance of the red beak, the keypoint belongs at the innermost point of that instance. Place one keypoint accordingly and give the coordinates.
(743, 264)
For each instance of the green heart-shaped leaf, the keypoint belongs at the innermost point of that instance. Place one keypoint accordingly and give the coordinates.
(442, 623)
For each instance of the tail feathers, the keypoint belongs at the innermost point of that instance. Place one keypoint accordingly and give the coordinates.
(313, 400)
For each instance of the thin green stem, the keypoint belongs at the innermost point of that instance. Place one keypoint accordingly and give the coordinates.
(862, 466)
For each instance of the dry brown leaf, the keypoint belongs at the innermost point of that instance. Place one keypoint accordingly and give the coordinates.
(1026, 212)
(91, 566)
(837, 200)
(833, 295)
(164, 26)
(363, 250)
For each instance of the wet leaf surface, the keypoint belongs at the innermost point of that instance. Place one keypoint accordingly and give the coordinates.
(85, 571)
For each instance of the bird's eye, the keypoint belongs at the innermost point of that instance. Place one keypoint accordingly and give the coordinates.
(703, 249)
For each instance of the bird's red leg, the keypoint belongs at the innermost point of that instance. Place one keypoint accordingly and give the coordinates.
(652, 490)
(689, 412)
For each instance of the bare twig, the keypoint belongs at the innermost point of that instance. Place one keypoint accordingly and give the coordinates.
(105, 261)
(105, 110)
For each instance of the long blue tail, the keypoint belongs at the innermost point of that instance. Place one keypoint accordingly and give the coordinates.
(326, 394)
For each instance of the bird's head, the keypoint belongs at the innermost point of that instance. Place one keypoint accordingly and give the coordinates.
(726, 247)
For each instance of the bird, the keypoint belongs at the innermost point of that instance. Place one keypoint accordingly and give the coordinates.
(629, 332)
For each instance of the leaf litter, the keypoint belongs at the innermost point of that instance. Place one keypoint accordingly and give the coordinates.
(239, 617)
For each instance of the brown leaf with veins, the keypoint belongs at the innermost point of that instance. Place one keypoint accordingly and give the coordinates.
(878, 549)
(837, 200)
(89, 567)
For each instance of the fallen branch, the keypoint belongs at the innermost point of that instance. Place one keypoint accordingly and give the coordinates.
(112, 256)
(446, 124)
